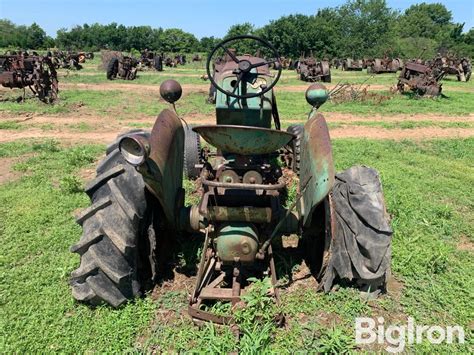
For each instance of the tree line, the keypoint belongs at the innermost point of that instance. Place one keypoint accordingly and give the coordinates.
(358, 28)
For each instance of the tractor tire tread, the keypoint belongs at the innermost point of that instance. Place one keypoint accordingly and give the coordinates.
(112, 225)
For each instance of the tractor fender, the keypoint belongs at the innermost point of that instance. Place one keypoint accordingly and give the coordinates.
(316, 166)
(163, 170)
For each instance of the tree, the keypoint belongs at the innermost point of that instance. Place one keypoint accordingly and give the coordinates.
(240, 29)
(367, 27)
(208, 43)
(425, 20)
(36, 37)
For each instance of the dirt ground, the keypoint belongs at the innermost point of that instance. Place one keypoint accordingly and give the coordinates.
(106, 129)
(205, 87)
(6, 169)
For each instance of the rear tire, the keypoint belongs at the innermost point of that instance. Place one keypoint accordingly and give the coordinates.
(327, 78)
(116, 228)
(112, 68)
(192, 154)
(295, 146)
(360, 245)
(158, 63)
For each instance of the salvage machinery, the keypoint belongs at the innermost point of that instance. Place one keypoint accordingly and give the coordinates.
(384, 65)
(310, 69)
(138, 201)
(351, 64)
(34, 72)
(122, 67)
(420, 79)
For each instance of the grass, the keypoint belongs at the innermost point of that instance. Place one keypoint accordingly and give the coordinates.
(409, 124)
(292, 105)
(10, 125)
(37, 313)
(428, 188)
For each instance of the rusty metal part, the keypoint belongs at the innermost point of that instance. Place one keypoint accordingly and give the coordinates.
(266, 244)
(329, 232)
(244, 140)
(229, 177)
(350, 64)
(210, 287)
(420, 79)
(451, 65)
(171, 91)
(163, 169)
(120, 66)
(34, 72)
(316, 164)
(241, 186)
(245, 69)
(252, 177)
(310, 69)
(239, 214)
(384, 65)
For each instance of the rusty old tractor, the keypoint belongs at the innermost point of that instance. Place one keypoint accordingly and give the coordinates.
(419, 79)
(384, 65)
(350, 64)
(122, 67)
(311, 70)
(451, 65)
(67, 60)
(138, 201)
(150, 60)
(34, 72)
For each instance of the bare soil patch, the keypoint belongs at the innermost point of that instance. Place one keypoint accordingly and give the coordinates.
(7, 173)
(465, 244)
(131, 87)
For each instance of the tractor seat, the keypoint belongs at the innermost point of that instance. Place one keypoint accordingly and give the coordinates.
(244, 140)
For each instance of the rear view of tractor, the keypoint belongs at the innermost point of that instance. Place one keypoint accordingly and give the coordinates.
(151, 60)
(137, 199)
(34, 72)
(384, 65)
(312, 70)
(122, 67)
(350, 64)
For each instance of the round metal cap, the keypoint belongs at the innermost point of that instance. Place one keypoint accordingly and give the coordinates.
(171, 90)
(316, 95)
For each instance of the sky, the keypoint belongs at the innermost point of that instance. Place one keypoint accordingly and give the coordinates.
(200, 17)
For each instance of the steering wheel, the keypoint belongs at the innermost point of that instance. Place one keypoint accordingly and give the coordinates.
(244, 67)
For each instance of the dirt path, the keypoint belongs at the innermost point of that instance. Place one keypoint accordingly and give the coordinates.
(161, 74)
(332, 117)
(186, 87)
(204, 87)
(104, 136)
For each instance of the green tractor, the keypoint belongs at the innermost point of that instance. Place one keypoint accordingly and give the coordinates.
(138, 201)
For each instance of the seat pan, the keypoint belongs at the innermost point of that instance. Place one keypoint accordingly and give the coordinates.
(244, 140)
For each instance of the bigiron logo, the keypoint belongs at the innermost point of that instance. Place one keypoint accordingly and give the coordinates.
(369, 331)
